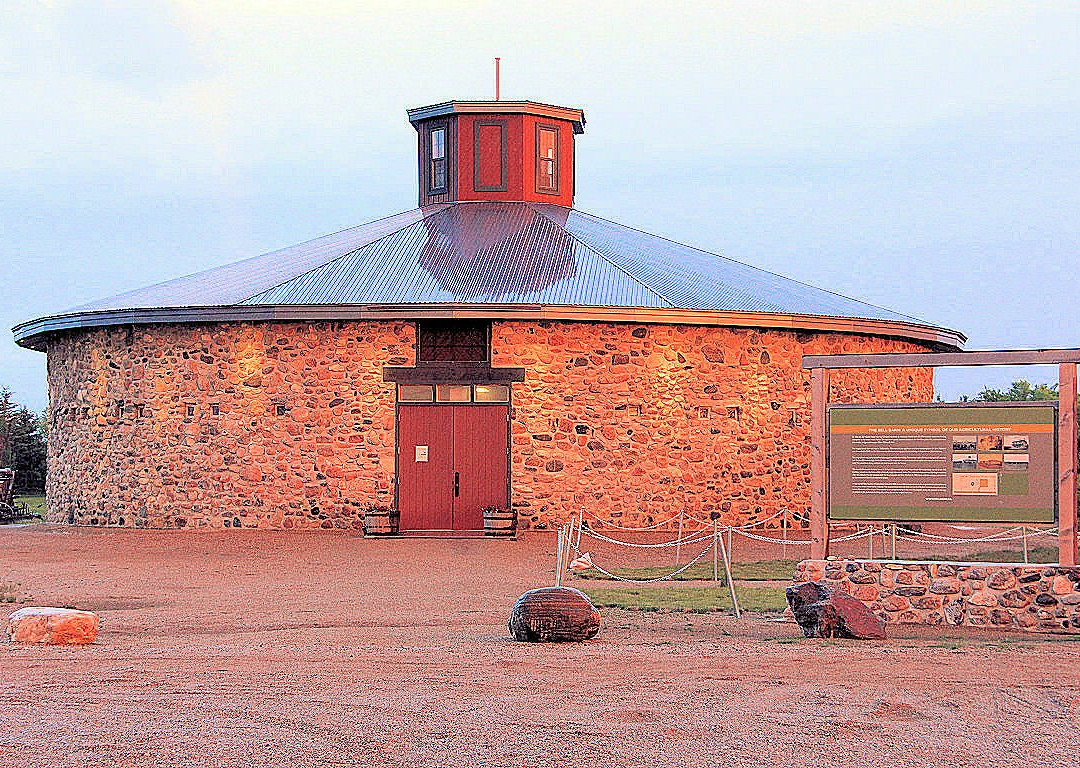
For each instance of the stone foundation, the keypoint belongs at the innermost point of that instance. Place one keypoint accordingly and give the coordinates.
(1033, 598)
(292, 425)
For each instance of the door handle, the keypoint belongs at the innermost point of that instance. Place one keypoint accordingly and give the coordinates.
(457, 485)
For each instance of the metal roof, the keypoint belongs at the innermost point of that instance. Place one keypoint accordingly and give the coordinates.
(575, 116)
(488, 257)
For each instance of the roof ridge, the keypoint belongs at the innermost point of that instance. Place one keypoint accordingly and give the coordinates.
(599, 254)
(785, 278)
(341, 256)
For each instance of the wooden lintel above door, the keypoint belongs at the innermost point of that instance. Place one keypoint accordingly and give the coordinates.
(452, 373)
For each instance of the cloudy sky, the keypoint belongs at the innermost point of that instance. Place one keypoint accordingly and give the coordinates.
(920, 156)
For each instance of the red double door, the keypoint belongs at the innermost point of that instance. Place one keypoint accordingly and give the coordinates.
(452, 462)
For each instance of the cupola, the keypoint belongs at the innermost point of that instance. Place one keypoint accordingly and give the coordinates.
(496, 150)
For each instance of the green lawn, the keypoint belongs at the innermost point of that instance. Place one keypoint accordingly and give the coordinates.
(687, 599)
(761, 570)
(1035, 555)
(36, 503)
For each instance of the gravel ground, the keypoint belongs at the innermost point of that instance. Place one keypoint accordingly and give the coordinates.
(239, 648)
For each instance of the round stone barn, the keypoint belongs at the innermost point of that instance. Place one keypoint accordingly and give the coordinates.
(493, 346)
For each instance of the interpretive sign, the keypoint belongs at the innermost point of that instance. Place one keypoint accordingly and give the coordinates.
(972, 462)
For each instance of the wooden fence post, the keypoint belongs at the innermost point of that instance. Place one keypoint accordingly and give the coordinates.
(559, 558)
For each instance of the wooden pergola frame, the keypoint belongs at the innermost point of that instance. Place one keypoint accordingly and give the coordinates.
(1066, 360)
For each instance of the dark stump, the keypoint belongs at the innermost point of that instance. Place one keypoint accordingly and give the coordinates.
(824, 612)
(554, 615)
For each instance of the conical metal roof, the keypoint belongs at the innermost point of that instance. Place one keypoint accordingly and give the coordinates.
(491, 259)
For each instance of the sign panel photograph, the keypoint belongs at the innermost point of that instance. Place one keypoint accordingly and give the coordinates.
(964, 462)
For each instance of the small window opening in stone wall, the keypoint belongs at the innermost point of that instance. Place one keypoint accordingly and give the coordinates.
(702, 411)
(215, 409)
(282, 410)
(415, 393)
(442, 341)
(190, 411)
(453, 393)
(491, 393)
(119, 409)
(734, 412)
(140, 410)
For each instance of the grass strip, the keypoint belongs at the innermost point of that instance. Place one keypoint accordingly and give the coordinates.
(1035, 555)
(761, 570)
(687, 599)
(36, 503)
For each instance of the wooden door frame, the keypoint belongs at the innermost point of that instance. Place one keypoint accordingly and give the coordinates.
(509, 405)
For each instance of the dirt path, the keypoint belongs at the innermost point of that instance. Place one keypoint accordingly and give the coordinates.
(255, 648)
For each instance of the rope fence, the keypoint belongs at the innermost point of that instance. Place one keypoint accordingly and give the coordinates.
(665, 577)
(714, 540)
(660, 545)
(683, 516)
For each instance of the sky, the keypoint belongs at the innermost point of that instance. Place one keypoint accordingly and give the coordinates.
(920, 156)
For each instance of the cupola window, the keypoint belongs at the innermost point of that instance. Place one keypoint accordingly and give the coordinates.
(547, 163)
(438, 159)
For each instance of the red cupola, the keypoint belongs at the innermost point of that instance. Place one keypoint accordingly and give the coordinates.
(496, 150)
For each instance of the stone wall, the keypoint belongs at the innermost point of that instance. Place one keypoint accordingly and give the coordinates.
(1040, 598)
(635, 422)
(291, 424)
(267, 425)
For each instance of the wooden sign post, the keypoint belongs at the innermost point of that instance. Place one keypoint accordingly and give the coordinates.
(1067, 449)
(819, 514)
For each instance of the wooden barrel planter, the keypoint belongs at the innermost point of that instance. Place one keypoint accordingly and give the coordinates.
(381, 521)
(500, 522)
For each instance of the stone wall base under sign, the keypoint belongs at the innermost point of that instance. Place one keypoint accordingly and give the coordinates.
(1033, 598)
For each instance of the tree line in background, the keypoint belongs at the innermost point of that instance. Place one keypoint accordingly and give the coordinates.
(1020, 391)
(22, 444)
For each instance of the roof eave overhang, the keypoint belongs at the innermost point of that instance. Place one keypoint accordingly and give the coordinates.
(33, 334)
(575, 116)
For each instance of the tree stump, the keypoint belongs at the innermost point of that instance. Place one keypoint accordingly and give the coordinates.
(823, 612)
(554, 615)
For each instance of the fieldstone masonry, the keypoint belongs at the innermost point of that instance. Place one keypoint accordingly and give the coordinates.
(290, 424)
(634, 422)
(1036, 598)
(233, 425)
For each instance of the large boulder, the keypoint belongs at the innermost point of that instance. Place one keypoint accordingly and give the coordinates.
(52, 626)
(824, 612)
(554, 615)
